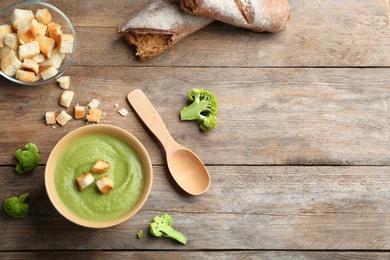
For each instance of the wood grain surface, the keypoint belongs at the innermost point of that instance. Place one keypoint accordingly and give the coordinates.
(299, 161)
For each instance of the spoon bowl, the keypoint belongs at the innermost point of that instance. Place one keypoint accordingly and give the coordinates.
(185, 166)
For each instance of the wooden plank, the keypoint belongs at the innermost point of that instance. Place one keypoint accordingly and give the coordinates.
(102, 255)
(266, 117)
(246, 208)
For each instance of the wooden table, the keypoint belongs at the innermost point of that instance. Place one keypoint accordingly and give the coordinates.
(299, 161)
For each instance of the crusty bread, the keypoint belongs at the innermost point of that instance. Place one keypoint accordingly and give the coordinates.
(66, 98)
(31, 65)
(79, 112)
(84, 180)
(256, 15)
(10, 63)
(65, 43)
(158, 27)
(11, 40)
(63, 118)
(48, 71)
(43, 16)
(4, 30)
(46, 45)
(50, 118)
(28, 50)
(100, 167)
(64, 82)
(94, 115)
(26, 76)
(105, 184)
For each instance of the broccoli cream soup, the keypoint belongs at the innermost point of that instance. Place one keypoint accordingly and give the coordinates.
(126, 171)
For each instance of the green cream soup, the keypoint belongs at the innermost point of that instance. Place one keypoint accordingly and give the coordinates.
(126, 171)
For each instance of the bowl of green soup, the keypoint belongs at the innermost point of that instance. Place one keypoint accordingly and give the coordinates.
(98, 197)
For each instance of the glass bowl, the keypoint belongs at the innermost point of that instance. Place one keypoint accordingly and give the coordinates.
(58, 17)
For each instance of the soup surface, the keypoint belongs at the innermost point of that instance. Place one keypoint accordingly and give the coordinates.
(126, 171)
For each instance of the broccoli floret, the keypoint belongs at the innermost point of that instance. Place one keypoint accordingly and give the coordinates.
(140, 234)
(17, 207)
(161, 226)
(28, 159)
(204, 108)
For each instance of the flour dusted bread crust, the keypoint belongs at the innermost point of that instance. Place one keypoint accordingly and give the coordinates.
(159, 26)
(256, 15)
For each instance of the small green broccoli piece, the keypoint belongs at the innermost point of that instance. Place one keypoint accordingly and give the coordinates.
(140, 234)
(28, 159)
(161, 226)
(17, 207)
(204, 108)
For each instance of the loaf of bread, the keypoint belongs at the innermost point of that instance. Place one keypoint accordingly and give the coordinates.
(256, 15)
(159, 26)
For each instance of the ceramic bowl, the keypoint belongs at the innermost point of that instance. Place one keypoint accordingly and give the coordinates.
(58, 17)
(52, 175)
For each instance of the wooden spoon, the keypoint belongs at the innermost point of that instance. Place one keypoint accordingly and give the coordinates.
(186, 168)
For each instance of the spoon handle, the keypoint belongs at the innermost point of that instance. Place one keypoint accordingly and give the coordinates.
(150, 117)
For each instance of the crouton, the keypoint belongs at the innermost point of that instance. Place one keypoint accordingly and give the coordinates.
(42, 29)
(43, 16)
(27, 31)
(31, 65)
(65, 43)
(4, 51)
(48, 72)
(55, 59)
(105, 184)
(94, 115)
(19, 16)
(63, 118)
(50, 118)
(94, 103)
(4, 30)
(46, 44)
(54, 31)
(64, 82)
(11, 40)
(26, 76)
(100, 167)
(123, 112)
(79, 112)
(40, 58)
(10, 63)
(84, 180)
(28, 50)
(66, 98)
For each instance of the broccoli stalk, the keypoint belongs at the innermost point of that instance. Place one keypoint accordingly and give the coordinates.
(204, 108)
(161, 226)
(17, 207)
(28, 159)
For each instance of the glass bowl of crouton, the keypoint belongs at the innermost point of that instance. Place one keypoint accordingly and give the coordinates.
(98, 176)
(37, 42)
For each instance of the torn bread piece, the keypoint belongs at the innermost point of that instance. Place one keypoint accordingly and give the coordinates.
(105, 184)
(10, 63)
(159, 26)
(63, 118)
(50, 118)
(66, 98)
(79, 112)
(84, 180)
(4, 30)
(48, 71)
(25, 76)
(100, 167)
(94, 115)
(64, 82)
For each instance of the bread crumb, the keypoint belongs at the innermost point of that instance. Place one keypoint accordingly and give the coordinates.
(123, 112)
(116, 105)
(64, 82)
(94, 103)
(63, 118)
(94, 115)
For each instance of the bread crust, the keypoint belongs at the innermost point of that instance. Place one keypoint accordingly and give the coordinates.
(158, 27)
(256, 15)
